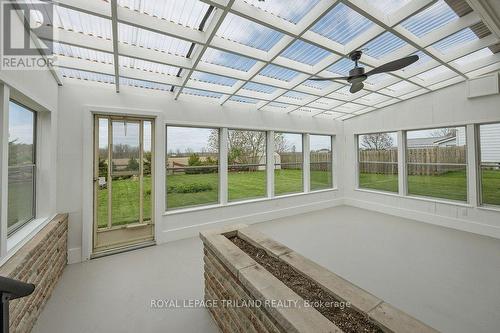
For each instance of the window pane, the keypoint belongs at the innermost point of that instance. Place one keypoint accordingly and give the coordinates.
(378, 161)
(146, 170)
(436, 161)
(102, 191)
(125, 170)
(192, 166)
(320, 161)
(288, 163)
(490, 163)
(21, 135)
(21, 174)
(246, 164)
(21, 199)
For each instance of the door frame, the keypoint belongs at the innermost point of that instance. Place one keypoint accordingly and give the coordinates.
(82, 253)
(119, 245)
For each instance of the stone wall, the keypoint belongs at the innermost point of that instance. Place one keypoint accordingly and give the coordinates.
(40, 261)
(233, 276)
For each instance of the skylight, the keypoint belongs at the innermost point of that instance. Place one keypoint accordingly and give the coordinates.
(389, 6)
(251, 61)
(227, 59)
(151, 40)
(279, 73)
(87, 24)
(342, 24)
(430, 19)
(462, 37)
(188, 13)
(383, 45)
(290, 10)
(248, 33)
(257, 87)
(148, 66)
(214, 79)
(305, 53)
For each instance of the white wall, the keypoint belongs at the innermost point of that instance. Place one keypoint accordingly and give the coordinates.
(38, 90)
(446, 107)
(77, 99)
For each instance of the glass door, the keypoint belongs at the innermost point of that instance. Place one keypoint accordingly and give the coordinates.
(123, 182)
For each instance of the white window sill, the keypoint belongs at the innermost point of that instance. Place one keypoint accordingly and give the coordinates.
(490, 208)
(427, 199)
(23, 235)
(243, 202)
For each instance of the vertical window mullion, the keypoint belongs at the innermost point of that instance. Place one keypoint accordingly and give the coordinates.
(4, 166)
(402, 166)
(471, 168)
(306, 163)
(270, 163)
(223, 166)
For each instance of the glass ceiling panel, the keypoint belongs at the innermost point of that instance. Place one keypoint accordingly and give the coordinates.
(148, 66)
(296, 95)
(279, 73)
(462, 37)
(278, 105)
(248, 33)
(473, 57)
(341, 67)
(319, 85)
(144, 84)
(400, 88)
(430, 19)
(378, 78)
(242, 99)
(433, 73)
(82, 53)
(188, 13)
(214, 79)
(151, 40)
(290, 10)
(389, 6)
(202, 93)
(342, 24)
(305, 53)
(227, 59)
(262, 88)
(383, 45)
(87, 76)
(423, 58)
(87, 24)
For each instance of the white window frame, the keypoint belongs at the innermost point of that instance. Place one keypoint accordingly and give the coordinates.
(479, 164)
(305, 162)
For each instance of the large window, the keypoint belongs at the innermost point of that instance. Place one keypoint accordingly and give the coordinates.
(320, 157)
(192, 166)
(437, 163)
(490, 163)
(246, 164)
(22, 167)
(288, 163)
(378, 161)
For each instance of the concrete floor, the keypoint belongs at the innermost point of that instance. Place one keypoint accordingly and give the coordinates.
(448, 279)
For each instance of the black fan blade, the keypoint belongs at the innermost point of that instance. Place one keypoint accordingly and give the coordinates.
(356, 87)
(328, 78)
(394, 65)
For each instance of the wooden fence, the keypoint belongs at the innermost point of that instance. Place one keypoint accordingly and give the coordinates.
(421, 161)
(319, 161)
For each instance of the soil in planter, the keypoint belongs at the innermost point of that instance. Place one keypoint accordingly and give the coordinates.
(347, 319)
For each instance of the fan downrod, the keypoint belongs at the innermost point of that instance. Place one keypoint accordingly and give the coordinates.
(355, 56)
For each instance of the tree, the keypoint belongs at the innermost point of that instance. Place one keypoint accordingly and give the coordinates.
(377, 141)
(444, 132)
(133, 164)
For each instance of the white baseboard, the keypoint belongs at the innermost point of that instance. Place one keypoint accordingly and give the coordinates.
(444, 221)
(194, 230)
(74, 255)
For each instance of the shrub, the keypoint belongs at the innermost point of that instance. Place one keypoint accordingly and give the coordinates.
(189, 188)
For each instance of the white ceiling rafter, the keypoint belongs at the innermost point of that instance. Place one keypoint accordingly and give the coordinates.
(301, 31)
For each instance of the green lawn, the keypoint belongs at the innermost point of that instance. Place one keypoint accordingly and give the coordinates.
(248, 185)
(451, 185)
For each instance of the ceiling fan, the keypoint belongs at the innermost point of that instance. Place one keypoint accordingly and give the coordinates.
(357, 75)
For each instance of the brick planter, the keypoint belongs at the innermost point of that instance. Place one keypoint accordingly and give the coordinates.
(245, 297)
